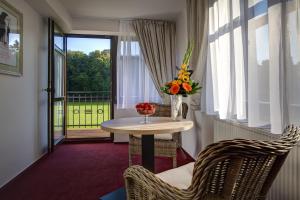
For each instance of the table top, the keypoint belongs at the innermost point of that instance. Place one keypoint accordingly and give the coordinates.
(157, 125)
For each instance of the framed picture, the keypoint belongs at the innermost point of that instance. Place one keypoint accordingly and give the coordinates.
(11, 40)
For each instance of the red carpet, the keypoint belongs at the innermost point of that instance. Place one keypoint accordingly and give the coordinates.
(78, 172)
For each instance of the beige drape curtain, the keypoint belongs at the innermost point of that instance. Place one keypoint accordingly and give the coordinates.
(197, 27)
(157, 42)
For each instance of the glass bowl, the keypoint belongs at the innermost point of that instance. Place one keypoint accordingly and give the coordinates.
(145, 110)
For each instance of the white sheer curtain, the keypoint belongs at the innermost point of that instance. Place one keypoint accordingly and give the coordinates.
(134, 83)
(253, 68)
(226, 66)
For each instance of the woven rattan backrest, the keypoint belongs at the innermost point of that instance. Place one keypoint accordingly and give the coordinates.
(163, 110)
(240, 168)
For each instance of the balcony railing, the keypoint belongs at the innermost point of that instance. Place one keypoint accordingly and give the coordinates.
(88, 109)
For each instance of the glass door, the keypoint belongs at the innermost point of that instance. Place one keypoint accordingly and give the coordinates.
(89, 89)
(56, 85)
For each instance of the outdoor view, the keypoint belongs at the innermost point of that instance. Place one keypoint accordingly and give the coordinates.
(88, 86)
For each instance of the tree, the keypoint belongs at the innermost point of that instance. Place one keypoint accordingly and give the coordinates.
(90, 72)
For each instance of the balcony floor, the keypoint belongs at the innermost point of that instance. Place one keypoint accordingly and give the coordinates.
(87, 133)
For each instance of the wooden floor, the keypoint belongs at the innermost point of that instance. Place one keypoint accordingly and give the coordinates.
(87, 133)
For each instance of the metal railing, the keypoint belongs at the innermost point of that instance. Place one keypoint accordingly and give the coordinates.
(88, 109)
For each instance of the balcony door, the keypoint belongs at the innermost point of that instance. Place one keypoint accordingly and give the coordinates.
(56, 85)
(89, 85)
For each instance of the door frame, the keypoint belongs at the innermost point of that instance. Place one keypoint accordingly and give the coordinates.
(113, 62)
(50, 90)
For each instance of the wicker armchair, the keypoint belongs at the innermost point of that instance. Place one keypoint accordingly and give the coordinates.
(165, 144)
(237, 169)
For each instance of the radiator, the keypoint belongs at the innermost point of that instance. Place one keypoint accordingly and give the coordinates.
(287, 184)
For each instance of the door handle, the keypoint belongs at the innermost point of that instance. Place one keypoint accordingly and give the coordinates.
(48, 90)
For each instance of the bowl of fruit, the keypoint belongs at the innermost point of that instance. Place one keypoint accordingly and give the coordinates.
(145, 109)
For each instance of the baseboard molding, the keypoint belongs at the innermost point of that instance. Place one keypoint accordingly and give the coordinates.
(28, 167)
(120, 142)
(86, 140)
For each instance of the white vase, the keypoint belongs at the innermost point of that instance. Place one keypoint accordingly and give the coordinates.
(176, 107)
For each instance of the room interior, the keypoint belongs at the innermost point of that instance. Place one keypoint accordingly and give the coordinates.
(243, 53)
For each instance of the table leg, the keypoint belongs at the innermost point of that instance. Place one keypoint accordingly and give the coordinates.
(148, 152)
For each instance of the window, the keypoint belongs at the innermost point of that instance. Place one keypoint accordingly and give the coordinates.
(258, 64)
(253, 64)
(134, 83)
(226, 63)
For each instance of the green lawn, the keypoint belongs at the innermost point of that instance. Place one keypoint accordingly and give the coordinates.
(84, 113)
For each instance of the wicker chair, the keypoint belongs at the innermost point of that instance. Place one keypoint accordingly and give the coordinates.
(237, 169)
(165, 144)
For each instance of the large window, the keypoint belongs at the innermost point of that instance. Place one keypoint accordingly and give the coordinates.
(253, 64)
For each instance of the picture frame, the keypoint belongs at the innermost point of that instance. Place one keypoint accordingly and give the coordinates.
(11, 40)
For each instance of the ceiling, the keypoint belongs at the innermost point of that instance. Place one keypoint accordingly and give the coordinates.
(124, 9)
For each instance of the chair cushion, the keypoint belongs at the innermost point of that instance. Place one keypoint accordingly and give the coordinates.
(166, 136)
(180, 177)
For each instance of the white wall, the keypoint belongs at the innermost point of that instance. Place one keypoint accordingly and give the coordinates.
(55, 10)
(60, 14)
(95, 26)
(201, 135)
(23, 116)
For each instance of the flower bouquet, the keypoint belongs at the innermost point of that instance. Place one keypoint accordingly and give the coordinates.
(181, 86)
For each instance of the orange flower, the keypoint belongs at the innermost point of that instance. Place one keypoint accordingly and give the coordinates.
(174, 89)
(187, 87)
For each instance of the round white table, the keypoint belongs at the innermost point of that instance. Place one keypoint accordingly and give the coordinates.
(157, 125)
